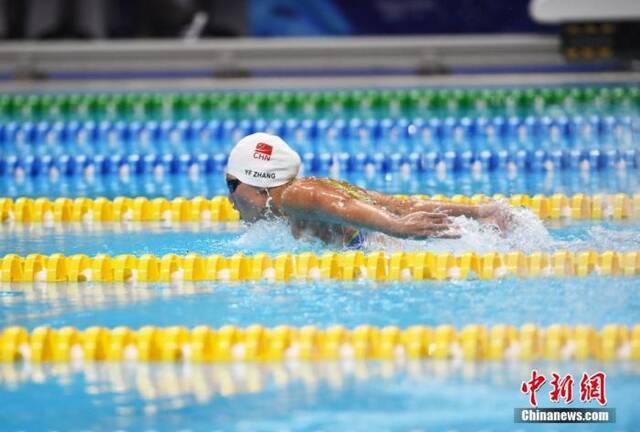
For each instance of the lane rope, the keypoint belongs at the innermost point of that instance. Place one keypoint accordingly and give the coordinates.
(258, 343)
(219, 209)
(404, 162)
(279, 103)
(341, 266)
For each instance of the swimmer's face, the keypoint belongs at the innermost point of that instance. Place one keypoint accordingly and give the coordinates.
(248, 200)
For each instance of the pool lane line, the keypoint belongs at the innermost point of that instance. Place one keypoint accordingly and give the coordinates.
(162, 105)
(140, 209)
(255, 343)
(86, 164)
(341, 266)
(219, 209)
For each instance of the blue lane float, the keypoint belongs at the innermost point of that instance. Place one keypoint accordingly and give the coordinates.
(327, 163)
(386, 145)
(356, 135)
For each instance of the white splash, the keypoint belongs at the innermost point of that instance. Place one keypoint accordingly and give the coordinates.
(526, 233)
(603, 238)
(270, 236)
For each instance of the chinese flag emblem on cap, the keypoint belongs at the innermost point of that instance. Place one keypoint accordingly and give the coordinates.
(264, 148)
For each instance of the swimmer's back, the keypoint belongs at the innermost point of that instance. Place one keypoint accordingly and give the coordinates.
(319, 188)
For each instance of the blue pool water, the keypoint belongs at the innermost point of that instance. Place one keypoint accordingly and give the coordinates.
(543, 301)
(274, 237)
(299, 396)
(357, 396)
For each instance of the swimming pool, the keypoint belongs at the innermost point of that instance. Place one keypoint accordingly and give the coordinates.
(559, 283)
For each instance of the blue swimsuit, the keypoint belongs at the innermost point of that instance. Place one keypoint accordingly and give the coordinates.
(357, 241)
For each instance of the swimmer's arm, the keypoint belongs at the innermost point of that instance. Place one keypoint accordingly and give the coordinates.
(450, 209)
(337, 210)
(404, 206)
(410, 205)
(489, 212)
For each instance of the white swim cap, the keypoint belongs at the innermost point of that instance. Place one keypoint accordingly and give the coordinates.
(263, 160)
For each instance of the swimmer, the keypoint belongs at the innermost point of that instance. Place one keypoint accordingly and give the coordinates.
(261, 176)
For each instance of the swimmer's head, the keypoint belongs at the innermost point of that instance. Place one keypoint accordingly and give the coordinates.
(263, 160)
(257, 163)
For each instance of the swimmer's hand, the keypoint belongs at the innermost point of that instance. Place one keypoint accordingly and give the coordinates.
(423, 225)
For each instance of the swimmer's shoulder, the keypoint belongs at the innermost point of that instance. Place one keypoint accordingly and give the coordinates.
(300, 191)
(306, 191)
